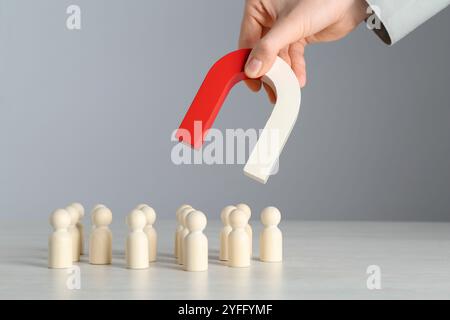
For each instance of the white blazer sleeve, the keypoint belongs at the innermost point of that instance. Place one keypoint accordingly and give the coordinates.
(400, 17)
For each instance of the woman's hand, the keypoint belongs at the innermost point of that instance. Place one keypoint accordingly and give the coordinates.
(285, 27)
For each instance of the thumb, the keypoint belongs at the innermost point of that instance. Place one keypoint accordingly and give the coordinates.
(284, 32)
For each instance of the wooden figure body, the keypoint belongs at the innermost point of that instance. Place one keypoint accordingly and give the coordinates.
(225, 232)
(248, 228)
(196, 243)
(271, 239)
(74, 232)
(137, 242)
(100, 240)
(238, 241)
(179, 229)
(80, 226)
(150, 231)
(183, 233)
(60, 241)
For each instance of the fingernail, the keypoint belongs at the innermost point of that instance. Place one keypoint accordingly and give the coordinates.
(253, 67)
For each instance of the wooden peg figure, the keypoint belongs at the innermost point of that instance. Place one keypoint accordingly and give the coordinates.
(179, 228)
(60, 241)
(225, 217)
(137, 243)
(100, 240)
(248, 228)
(150, 231)
(74, 232)
(80, 226)
(183, 233)
(238, 240)
(196, 243)
(271, 239)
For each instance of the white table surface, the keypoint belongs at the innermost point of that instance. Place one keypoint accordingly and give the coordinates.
(322, 260)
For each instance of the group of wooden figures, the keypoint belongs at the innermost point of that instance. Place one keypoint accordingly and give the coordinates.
(66, 243)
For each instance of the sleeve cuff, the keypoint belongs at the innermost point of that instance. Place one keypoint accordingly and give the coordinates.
(400, 17)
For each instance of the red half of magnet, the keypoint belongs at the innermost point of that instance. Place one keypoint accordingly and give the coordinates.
(200, 117)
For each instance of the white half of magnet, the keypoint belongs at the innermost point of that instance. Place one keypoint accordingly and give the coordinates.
(263, 161)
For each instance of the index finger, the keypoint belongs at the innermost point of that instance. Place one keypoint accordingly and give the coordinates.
(251, 33)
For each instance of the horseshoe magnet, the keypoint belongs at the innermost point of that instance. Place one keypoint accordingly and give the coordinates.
(224, 74)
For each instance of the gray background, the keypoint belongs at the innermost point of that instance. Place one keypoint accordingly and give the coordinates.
(87, 115)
